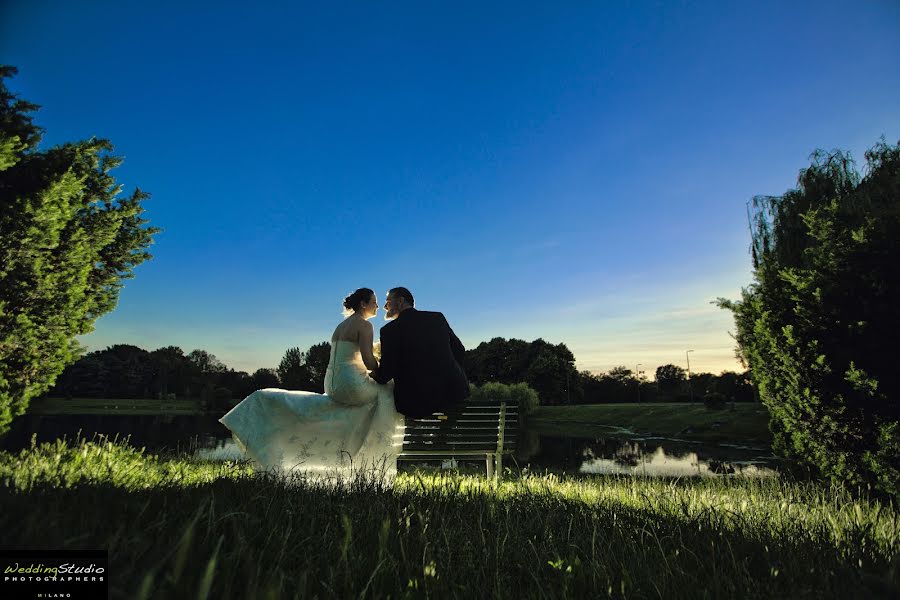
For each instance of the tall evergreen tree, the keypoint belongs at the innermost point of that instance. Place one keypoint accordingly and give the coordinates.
(819, 324)
(67, 241)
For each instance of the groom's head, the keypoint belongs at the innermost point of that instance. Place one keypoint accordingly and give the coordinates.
(398, 300)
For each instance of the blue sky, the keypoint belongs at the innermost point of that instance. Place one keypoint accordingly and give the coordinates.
(572, 171)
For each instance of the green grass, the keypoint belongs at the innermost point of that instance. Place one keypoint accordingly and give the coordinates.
(745, 423)
(182, 528)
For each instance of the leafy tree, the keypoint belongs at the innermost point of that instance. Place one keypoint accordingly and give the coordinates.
(500, 360)
(206, 362)
(129, 371)
(119, 371)
(67, 241)
(622, 375)
(547, 368)
(592, 388)
(547, 376)
(305, 370)
(819, 323)
(293, 372)
(264, 378)
(317, 358)
(703, 383)
(737, 387)
(236, 382)
(669, 377)
(86, 378)
(173, 371)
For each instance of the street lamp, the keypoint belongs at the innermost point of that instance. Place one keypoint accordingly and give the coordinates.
(688, 357)
(637, 374)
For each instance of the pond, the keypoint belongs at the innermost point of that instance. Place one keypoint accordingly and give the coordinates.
(204, 437)
(650, 456)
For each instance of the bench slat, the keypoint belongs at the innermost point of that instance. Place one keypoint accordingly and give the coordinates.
(494, 410)
(461, 443)
(456, 453)
(457, 429)
(491, 445)
(484, 407)
(464, 426)
(473, 411)
(485, 430)
(464, 421)
(484, 435)
(452, 421)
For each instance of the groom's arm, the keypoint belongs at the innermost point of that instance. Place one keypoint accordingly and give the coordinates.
(388, 365)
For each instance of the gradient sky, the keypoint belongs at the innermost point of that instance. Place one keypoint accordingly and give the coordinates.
(575, 171)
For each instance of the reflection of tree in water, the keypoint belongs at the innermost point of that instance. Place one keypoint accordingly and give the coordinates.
(721, 467)
(558, 452)
(570, 454)
(631, 453)
(625, 453)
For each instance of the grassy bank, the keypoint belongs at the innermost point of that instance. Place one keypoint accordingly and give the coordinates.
(745, 423)
(179, 528)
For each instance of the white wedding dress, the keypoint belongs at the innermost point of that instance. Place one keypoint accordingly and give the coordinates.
(352, 429)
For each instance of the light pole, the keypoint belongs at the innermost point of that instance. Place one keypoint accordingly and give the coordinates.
(687, 355)
(637, 374)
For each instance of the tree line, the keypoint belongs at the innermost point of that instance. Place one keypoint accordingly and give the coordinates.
(550, 370)
(126, 371)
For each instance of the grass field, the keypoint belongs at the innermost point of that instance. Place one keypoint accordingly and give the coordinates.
(743, 423)
(182, 528)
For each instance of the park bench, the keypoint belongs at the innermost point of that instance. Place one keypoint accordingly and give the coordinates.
(473, 429)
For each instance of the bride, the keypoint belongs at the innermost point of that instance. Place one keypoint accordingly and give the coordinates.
(350, 429)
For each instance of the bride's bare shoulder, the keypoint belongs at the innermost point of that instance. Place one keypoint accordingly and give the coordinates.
(349, 329)
(341, 330)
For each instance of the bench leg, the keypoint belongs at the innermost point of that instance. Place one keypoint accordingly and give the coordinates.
(499, 470)
(489, 463)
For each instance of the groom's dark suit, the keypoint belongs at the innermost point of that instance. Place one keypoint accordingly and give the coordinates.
(424, 357)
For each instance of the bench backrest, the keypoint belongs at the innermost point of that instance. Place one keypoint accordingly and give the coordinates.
(468, 426)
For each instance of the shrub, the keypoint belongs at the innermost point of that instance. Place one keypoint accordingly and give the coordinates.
(519, 394)
(715, 400)
(819, 324)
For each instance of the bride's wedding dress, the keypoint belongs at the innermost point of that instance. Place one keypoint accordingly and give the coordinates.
(352, 428)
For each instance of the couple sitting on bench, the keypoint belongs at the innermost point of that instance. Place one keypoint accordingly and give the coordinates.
(358, 424)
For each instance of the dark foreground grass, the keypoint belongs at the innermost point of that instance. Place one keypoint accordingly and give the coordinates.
(178, 528)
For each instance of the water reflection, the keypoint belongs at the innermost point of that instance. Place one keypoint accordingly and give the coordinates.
(655, 457)
(219, 449)
(630, 459)
(158, 434)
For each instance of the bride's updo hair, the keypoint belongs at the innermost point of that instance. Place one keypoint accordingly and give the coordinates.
(354, 300)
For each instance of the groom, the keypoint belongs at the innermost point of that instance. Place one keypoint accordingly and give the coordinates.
(422, 355)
